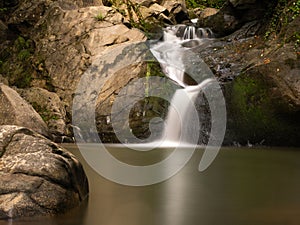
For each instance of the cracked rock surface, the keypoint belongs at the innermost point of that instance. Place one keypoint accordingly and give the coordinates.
(37, 177)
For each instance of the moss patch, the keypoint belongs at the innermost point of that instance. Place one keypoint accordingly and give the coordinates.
(16, 62)
(255, 115)
(205, 3)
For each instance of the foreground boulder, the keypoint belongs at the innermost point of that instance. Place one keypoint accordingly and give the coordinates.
(37, 177)
(16, 111)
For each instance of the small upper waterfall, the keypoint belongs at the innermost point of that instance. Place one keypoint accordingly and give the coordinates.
(170, 54)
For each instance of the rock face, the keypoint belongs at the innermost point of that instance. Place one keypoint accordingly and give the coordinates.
(70, 40)
(37, 176)
(64, 41)
(120, 79)
(16, 111)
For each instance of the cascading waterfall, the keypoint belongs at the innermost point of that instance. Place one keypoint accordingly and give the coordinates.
(169, 54)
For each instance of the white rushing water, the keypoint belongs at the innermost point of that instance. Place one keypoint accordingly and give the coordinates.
(170, 54)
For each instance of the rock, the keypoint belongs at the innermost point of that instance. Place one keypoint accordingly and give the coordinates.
(177, 11)
(3, 31)
(3, 80)
(50, 107)
(207, 12)
(265, 100)
(37, 176)
(70, 40)
(234, 14)
(121, 83)
(242, 3)
(141, 112)
(16, 111)
(64, 41)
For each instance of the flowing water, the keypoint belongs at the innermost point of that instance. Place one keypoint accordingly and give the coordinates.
(243, 186)
(258, 186)
(170, 53)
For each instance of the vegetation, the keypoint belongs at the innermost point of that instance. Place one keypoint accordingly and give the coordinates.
(100, 17)
(284, 13)
(132, 10)
(44, 112)
(205, 3)
(20, 74)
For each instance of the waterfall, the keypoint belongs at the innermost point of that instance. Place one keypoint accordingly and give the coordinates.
(170, 54)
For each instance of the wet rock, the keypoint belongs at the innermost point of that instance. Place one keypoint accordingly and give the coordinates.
(120, 95)
(37, 176)
(16, 111)
(114, 128)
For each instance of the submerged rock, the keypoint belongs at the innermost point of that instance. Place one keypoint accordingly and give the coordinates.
(37, 177)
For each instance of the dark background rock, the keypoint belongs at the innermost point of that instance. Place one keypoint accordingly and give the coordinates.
(234, 14)
(37, 176)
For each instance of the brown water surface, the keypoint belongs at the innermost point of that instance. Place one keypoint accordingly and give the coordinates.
(242, 187)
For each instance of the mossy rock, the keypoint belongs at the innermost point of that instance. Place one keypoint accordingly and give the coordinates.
(261, 110)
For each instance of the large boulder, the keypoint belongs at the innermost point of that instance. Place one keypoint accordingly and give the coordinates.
(16, 111)
(37, 177)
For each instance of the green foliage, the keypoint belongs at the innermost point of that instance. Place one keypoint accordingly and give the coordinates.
(205, 3)
(296, 38)
(100, 17)
(294, 9)
(44, 112)
(285, 12)
(16, 62)
(132, 10)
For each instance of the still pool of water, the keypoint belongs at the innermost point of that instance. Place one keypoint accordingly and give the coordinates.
(259, 186)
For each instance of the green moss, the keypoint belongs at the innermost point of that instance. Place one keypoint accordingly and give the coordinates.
(16, 62)
(282, 14)
(205, 3)
(256, 113)
(44, 112)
